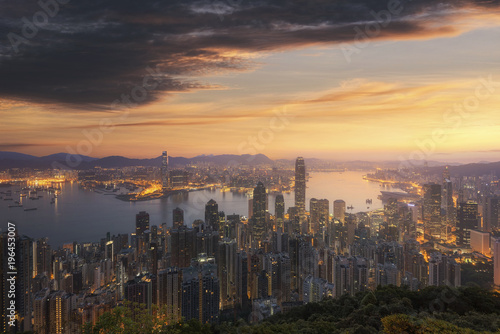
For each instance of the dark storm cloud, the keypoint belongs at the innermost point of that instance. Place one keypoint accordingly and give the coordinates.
(87, 54)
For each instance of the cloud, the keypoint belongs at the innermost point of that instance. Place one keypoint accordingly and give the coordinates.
(94, 52)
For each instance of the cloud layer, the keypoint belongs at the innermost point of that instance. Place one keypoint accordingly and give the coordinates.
(91, 54)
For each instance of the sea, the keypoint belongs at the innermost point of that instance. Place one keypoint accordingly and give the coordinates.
(83, 215)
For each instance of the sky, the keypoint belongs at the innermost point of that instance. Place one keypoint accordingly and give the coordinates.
(343, 80)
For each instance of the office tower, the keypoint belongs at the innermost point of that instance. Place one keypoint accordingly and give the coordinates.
(169, 293)
(320, 213)
(259, 226)
(200, 293)
(178, 218)
(212, 215)
(300, 185)
(492, 213)
(279, 210)
(140, 290)
(444, 270)
(480, 242)
(165, 180)
(496, 262)
(339, 210)
(227, 266)
(182, 246)
(141, 223)
(178, 178)
(468, 220)
(432, 211)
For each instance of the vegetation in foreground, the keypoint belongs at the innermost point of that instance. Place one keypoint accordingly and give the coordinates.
(386, 310)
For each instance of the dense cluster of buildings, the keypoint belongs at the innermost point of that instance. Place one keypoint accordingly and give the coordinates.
(226, 266)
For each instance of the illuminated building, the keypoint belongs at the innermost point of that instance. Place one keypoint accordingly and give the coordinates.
(259, 224)
(480, 242)
(279, 210)
(339, 210)
(492, 213)
(315, 289)
(141, 223)
(140, 290)
(432, 211)
(300, 186)
(165, 180)
(227, 266)
(182, 246)
(178, 218)
(448, 203)
(320, 212)
(169, 293)
(468, 220)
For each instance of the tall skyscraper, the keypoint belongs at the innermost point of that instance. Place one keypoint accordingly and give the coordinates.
(169, 293)
(279, 207)
(432, 211)
(182, 246)
(468, 220)
(339, 210)
(141, 223)
(259, 226)
(212, 215)
(300, 185)
(178, 217)
(165, 180)
(320, 213)
(227, 266)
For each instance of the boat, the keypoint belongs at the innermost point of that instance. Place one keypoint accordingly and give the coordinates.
(30, 209)
(8, 199)
(15, 206)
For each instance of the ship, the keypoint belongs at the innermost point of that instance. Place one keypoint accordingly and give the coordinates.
(30, 209)
(15, 206)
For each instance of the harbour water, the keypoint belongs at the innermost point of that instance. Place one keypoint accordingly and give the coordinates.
(83, 215)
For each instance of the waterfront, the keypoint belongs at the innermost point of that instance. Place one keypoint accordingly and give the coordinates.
(83, 215)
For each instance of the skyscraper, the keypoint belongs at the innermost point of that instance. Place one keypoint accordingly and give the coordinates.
(212, 215)
(339, 210)
(279, 207)
(141, 223)
(259, 212)
(169, 288)
(178, 217)
(300, 185)
(492, 213)
(432, 211)
(164, 170)
(320, 213)
(468, 219)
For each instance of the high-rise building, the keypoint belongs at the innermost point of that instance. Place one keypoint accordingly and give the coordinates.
(491, 213)
(140, 290)
(480, 242)
(339, 210)
(227, 266)
(165, 180)
(200, 293)
(259, 224)
(496, 262)
(212, 215)
(320, 213)
(141, 223)
(169, 293)
(447, 199)
(444, 270)
(178, 217)
(432, 211)
(279, 210)
(182, 246)
(300, 185)
(468, 220)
